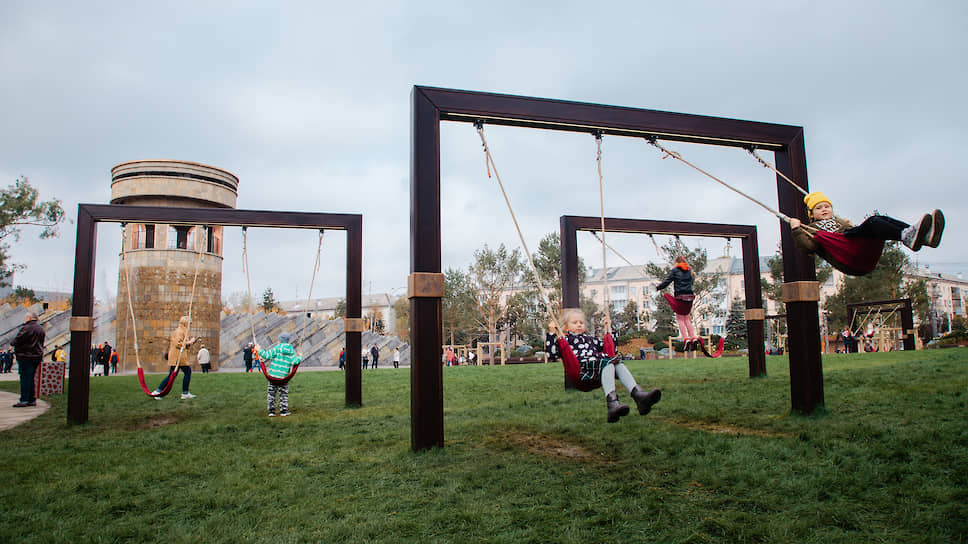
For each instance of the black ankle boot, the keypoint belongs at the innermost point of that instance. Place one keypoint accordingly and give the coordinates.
(615, 408)
(643, 400)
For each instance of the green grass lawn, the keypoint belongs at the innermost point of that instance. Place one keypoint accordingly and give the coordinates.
(720, 459)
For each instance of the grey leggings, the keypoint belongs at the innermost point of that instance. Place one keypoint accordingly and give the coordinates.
(609, 373)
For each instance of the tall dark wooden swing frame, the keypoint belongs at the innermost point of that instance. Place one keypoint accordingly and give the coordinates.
(430, 106)
(82, 321)
(571, 224)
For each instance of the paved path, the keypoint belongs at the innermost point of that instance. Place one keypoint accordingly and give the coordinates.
(10, 417)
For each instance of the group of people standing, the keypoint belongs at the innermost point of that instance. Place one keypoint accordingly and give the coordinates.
(104, 359)
(366, 355)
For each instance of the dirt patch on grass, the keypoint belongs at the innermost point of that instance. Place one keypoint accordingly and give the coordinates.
(550, 446)
(159, 421)
(723, 428)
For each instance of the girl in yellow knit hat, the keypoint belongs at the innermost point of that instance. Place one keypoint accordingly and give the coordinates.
(856, 250)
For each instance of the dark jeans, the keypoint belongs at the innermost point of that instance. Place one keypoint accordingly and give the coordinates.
(881, 227)
(27, 366)
(186, 378)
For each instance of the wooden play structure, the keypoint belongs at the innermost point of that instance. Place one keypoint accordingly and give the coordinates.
(886, 335)
(82, 320)
(430, 106)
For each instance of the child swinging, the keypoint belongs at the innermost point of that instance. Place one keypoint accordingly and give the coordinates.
(856, 250)
(681, 303)
(596, 368)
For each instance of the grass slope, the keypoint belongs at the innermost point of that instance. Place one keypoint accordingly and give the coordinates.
(720, 459)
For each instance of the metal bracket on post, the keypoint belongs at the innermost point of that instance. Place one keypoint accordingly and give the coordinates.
(425, 285)
(801, 291)
(755, 314)
(82, 323)
(353, 324)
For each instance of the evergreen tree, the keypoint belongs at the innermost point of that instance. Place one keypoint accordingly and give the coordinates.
(736, 326)
(269, 302)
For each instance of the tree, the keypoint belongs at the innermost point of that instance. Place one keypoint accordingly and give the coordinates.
(736, 326)
(269, 302)
(239, 301)
(702, 283)
(22, 295)
(627, 319)
(20, 206)
(401, 311)
(547, 260)
(340, 309)
(458, 307)
(491, 275)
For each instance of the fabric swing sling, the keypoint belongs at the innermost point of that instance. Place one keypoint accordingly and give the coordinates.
(569, 361)
(245, 266)
(173, 373)
(854, 253)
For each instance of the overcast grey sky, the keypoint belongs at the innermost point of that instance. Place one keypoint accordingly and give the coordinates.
(308, 104)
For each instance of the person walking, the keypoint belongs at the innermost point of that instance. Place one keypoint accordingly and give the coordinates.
(28, 347)
(365, 355)
(342, 358)
(396, 357)
(204, 359)
(177, 358)
(114, 361)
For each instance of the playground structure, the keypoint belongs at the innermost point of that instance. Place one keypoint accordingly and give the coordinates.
(886, 338)
(692, 354)
(88, 217)
(430, 106)
(491, 348)
(570, 225)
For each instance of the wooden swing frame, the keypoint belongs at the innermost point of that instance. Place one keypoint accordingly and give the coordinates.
(430, 106)
(571, 224)
(82, 321)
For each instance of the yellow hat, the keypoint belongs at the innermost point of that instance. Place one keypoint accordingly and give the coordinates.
(814, 198)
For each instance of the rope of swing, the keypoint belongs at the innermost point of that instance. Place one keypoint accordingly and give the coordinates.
(677, 156)
(489, 162)
(309, 299)
(619, 255)
(191, 300)
(127, 283)
(601, 200)
(765, 164)
(248, 281)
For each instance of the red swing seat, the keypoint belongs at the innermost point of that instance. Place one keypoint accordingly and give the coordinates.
(719, 348)
(852, 255)
(573, 368)
(278, 381)
(679, 307)
(144, 386)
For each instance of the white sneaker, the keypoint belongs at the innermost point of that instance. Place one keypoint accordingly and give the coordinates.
(187, 396)
(915, 235)
(284, 414)
(156, 397)
(937, 228)
(272, 414)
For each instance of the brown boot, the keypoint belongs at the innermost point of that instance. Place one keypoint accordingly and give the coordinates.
(615, 408)
(643, 400)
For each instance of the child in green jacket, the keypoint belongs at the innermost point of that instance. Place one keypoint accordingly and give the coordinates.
(279, 359)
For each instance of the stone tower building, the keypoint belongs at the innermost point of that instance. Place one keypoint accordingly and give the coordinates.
(165, 260)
